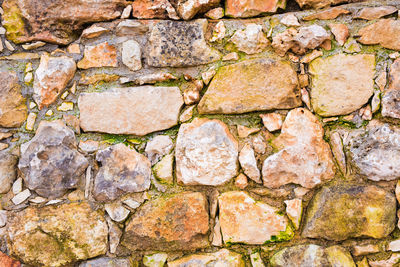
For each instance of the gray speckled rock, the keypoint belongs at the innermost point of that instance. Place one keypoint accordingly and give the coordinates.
(50, 162)
(391, 97)
(206, 153)
(8, 171)
(178, 44)
(376, 151)
(123, 171)
(339, 212)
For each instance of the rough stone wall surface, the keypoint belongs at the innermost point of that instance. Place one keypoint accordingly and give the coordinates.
(199, 133)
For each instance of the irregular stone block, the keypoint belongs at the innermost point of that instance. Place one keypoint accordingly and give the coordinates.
(206, 153)
(107, 262)
(187, 9)
(50, 162)
(100, 55)
(243, 220)
(391, 96)
(51, 78)
(251, 85)
(301, 143)
(371, 13)
(153, 9)
(376, 151)
(339, 212)
(341, 83)
(312, 255)
(385, 32)
(222, 257)
(13, 110)
(174, 222)
(57, 235)
(123, 170)
(133, 110)
(248, 8)
(55, 21)
(8, 171)
(180, 44)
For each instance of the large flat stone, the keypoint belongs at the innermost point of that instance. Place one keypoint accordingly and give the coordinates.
(375, 152)
(13, 109)
(243, 220)
(178, 44)
(134, 110)
(341, 83)
(206, 153)
(339, 212)
(303, 158)
(385, 32)
(259, 84)
(174, 222)
(57, 235)
(55, 21)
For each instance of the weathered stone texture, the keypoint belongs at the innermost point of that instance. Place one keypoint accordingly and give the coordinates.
(13, 110)
(300, 144)
(51, 78)
(341, 83)
(384, 32)
(176, 222)
(123, 170)
(178, 44)
(243, 220)
(375, 151)
(57, 235)
(222, 257)
(49, 162)
(345, 211)
(206, 153)
(259, 84)
(55, 21)
(134, 110)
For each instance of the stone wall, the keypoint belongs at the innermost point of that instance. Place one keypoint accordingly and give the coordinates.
(199, 133)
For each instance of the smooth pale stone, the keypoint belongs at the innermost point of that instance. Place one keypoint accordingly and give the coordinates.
(341, 83)
(134, 110)
(21, 197)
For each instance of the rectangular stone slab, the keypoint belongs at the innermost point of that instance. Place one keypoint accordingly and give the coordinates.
(133, 110)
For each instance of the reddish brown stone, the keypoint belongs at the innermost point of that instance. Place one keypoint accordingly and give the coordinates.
(250, 8)
(153, 9)
(331, 13)
(385, 32)
(177, 222)
(55, 21)
(6, 261)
